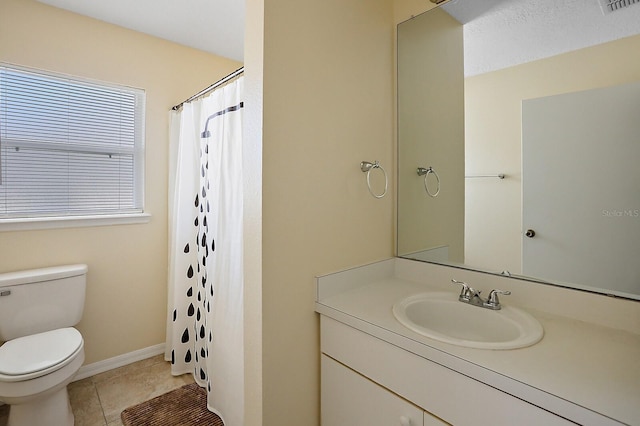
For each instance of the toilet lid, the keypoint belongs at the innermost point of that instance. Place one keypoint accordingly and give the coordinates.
(38, 352)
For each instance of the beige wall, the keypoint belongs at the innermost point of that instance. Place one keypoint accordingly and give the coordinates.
(327, 106)
(126, 293)
(493, 138)
(406, 9)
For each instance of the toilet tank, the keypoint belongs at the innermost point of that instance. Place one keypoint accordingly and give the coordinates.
(40, 300)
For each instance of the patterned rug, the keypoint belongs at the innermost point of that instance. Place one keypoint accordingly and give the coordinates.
(185, 406)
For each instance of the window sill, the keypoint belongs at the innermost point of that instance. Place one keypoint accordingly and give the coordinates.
(34, 223)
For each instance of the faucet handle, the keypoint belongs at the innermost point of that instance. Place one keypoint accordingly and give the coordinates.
(465, 292)
(492, 301)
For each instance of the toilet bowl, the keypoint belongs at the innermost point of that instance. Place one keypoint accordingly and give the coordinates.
(43, 352)
(34, 373)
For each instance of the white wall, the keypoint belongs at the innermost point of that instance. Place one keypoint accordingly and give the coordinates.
(252, 181)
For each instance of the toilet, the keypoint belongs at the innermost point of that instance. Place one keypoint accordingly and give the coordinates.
(42, 352)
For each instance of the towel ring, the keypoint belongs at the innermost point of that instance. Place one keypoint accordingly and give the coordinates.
(425, 172)
(366, 167)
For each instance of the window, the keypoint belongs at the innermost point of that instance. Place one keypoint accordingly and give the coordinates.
(69, 147)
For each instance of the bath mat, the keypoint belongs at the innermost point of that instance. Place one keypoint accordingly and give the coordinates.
(185, 406)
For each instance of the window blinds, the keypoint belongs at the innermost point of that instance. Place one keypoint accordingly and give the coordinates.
(69, 147)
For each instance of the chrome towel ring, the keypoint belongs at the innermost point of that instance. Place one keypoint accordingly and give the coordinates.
(366, 167)
(426, 172)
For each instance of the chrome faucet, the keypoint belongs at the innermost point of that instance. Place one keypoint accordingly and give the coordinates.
(472, 296)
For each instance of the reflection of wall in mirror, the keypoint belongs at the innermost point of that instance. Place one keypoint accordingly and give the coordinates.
(493, 228)
(430, 112)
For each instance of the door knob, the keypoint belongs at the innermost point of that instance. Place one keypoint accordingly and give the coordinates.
(530, 233)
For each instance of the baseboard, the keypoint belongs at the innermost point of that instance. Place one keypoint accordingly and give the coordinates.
(115, 362)
(118, 361)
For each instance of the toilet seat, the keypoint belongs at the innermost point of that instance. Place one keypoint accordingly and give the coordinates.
(39, 354)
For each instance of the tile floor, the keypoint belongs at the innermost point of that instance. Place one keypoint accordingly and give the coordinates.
(99, 400)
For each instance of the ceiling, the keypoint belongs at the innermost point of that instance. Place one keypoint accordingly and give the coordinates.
(503, 33)
(497, 33)
(215, 26)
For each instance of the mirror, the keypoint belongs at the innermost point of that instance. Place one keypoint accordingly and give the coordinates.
(518, 135)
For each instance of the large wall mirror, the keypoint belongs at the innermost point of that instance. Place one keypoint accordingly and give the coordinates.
(519, 141)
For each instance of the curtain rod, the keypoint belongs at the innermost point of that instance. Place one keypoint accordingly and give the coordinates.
(210, 88)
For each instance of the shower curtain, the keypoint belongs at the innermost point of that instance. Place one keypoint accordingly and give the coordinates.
(204, 324)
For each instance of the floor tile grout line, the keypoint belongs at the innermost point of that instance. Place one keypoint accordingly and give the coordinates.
(104, 416)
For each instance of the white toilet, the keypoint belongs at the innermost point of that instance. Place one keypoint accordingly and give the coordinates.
(42, 351)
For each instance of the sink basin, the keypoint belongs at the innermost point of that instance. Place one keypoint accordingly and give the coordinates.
(442, 317)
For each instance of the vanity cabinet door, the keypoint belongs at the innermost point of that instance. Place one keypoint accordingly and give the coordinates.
(431, 420)
(349, 399)
(454, 397)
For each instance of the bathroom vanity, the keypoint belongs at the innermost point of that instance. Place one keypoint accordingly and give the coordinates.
(376, 371)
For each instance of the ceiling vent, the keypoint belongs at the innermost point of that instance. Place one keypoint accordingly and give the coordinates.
(610, 6)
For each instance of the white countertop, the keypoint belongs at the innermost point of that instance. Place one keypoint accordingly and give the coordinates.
(586, 372)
